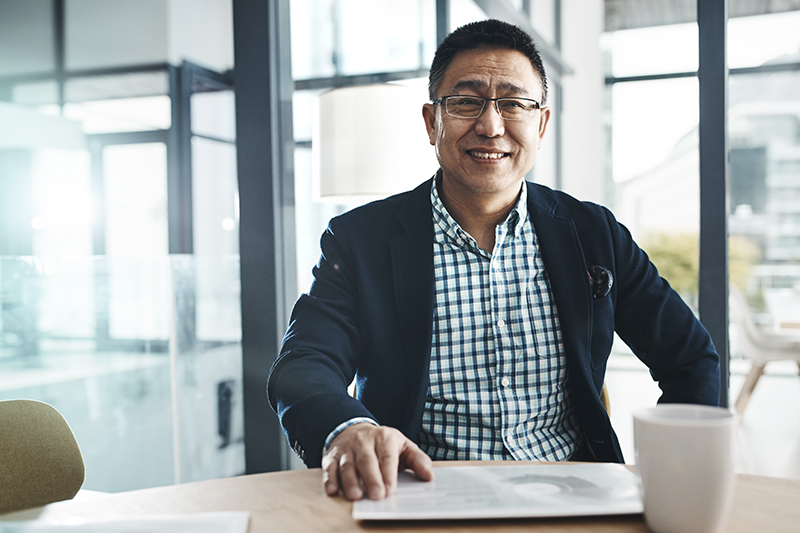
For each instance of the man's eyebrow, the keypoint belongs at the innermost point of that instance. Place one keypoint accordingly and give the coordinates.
(477, 85)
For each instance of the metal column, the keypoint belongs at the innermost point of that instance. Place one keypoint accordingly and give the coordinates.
(265, 142)
(712, 18)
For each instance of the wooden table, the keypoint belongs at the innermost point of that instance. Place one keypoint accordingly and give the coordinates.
(294, 501)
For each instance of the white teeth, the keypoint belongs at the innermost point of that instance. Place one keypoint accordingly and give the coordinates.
(486, 155)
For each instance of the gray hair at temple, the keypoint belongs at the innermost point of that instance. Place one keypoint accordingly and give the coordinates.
(484, 33)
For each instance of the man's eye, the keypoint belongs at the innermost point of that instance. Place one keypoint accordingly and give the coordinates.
(466, 101)
(513, 104)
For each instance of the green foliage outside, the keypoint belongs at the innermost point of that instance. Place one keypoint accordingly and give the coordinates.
(677, 258)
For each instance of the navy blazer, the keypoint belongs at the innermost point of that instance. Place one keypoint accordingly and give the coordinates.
(369, 315)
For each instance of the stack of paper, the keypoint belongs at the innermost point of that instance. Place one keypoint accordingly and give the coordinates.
(509, 491)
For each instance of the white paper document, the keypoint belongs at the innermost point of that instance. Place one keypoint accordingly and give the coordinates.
(222, 522)
(509, 491)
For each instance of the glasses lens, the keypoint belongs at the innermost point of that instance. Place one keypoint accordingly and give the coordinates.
(473, 106)
(516, 108)
(464, 106)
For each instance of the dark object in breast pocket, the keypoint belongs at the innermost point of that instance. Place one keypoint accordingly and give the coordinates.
(601, 280)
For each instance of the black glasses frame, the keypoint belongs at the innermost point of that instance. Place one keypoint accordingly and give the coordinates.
(441, 100)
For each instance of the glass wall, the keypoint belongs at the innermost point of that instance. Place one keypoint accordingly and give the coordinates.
(653, 97)
(655, 161)
(149, 404)
(654, 141)
(764, 125)
(764, 225)
(654, 150)
(350, 37)
(112, 172)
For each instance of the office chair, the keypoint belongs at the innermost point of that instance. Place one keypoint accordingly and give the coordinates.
(40, 461)
(605, 399)
(758, 345)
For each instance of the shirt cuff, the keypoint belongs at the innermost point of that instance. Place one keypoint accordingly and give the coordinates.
(341, 427)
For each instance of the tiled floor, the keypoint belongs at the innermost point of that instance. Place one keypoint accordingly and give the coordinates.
(769, 433)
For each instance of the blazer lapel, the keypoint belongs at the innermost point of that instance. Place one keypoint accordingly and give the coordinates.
(566, 267)
(412, 263)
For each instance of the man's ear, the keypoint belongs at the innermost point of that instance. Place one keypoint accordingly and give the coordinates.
(544, 118)
(429, 116)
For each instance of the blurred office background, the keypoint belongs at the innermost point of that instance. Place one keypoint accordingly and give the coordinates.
(158, 213)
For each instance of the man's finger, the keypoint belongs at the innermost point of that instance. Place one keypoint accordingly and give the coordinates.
(418, 461)
(389, 460)
(369, 465)
(330, 472)
(349, 477)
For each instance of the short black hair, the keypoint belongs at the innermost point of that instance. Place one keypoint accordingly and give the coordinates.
(484, 33)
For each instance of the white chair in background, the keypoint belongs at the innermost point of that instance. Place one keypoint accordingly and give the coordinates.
(758, 345)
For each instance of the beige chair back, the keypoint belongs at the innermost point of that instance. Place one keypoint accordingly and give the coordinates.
(40, 461)
(605, 399)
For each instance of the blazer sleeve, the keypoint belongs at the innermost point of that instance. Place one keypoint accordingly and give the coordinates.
(307, 385)
(660, 328)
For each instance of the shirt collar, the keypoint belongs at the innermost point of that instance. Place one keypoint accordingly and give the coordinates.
(514, 222)
(517, 216)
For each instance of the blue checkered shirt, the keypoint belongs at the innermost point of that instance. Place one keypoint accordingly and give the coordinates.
(499, 387)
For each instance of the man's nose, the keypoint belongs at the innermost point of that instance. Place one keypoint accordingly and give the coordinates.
(490, 123)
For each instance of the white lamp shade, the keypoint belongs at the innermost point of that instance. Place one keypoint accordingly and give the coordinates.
(369, 142)
(22, 128)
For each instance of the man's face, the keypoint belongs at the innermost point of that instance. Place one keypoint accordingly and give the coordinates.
(486, 155)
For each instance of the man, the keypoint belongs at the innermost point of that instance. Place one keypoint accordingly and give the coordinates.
(476, 312)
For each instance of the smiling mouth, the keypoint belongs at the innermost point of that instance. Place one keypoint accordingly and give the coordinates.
(487, 155)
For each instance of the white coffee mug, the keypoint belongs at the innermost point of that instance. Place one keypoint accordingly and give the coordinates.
(685, 462)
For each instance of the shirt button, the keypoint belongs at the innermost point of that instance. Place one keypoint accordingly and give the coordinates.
(504, 382)
(501, 323)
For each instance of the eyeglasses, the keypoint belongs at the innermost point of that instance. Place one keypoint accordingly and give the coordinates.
(462, 106)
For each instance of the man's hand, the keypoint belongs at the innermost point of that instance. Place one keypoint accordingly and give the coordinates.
(364, 459)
